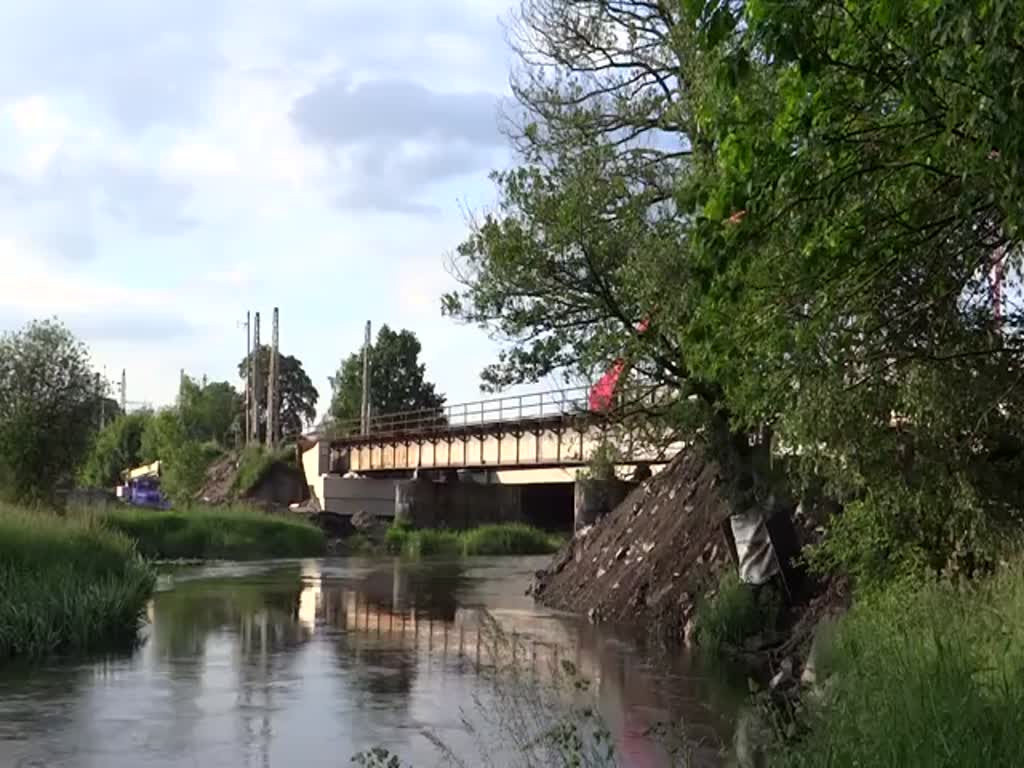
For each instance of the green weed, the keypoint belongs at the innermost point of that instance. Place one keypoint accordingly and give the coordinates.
(254, 462)
(729, 617)
(68, 586)
(228, 533)
(925, 676)
(493, 539)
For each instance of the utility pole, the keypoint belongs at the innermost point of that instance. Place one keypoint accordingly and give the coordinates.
(364, 416)
(124, 392)
(99, 394)
(248, 381)
(256, 379)
(272, 419)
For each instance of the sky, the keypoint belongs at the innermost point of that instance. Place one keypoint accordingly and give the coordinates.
(166, 166)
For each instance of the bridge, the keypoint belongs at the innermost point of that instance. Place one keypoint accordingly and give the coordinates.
(518, 455)
(554, 429)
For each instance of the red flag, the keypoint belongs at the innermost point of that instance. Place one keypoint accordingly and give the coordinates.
(603, 392)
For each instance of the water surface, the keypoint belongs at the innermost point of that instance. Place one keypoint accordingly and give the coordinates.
(305, 663)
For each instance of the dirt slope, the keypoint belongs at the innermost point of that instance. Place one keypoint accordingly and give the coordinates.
(649, 559)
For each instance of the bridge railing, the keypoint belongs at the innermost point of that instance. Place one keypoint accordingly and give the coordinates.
(478, 413)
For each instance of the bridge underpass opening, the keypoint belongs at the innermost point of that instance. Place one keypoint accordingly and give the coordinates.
(548, 506)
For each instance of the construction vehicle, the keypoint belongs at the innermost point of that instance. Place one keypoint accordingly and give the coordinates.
(141, 487)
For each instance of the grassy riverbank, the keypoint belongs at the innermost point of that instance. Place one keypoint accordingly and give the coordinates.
(932, 676)
(228, 533)
(496, 539)
(67, 586)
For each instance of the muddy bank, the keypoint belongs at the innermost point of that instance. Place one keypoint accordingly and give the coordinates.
(665, 547)
(649, 559)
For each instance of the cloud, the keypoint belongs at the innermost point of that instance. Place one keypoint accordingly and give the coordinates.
(206, 158)
(339, 113)
(61, 209)
(129, 324)
(391, 139)
(145, 63)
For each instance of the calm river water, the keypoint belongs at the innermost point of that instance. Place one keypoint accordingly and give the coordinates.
(305, 663)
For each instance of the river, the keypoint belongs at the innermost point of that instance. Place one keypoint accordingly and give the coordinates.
(305, 663)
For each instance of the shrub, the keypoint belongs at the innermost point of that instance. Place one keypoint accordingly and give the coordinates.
(434, 543)
(254, 463)
(729, 617)
(493, 539)
(68, 585)
(235, 533)
(508, 539)
(925, 676)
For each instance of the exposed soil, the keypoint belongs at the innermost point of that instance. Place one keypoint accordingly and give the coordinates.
(218, 488)
(282, 484)
(648, 560)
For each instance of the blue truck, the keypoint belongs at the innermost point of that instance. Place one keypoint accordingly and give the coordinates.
(141, 487)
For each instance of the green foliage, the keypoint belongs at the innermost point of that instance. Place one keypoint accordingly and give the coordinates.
(117, 447)
(601, 465)
(728, 618)
(397, 536)
(210, 411)
(254, 463)
(297, 394)
(508, 539)
(805, 201)
(183, 461)
(397, 380)
(430, 542)
(492, 539)
(931, 675)
(68, 586)
(48, 404)
(230, 533)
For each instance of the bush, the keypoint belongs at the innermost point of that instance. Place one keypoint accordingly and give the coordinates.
(508, 539)
(493, 539)
(49, 409)
(117, 447)
(397, 536)
(729, 617)
(67, 586)
(254, 462)
(434, 543)
(230, 533)
(925, 676)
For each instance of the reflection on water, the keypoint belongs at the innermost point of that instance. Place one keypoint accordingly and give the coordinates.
(307, 662)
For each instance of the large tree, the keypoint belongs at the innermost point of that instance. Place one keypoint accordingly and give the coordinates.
(803, 202)
(117, 447)
(297, 394)
(210, 410)
(397, 380)
(48, 404)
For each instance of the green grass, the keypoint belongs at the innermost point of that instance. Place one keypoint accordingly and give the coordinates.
(735, 613)
(228, 533)
(494, 539)
(254, 462)
(932, 676)
(67, 586)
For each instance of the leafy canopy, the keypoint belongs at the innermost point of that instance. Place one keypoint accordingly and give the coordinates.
(48, 403)
(297, 394)
(805, 201)
(397, 380)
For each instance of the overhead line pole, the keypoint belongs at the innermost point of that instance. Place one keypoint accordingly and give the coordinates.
(364, 416)
(255, 372)
(272, 389)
